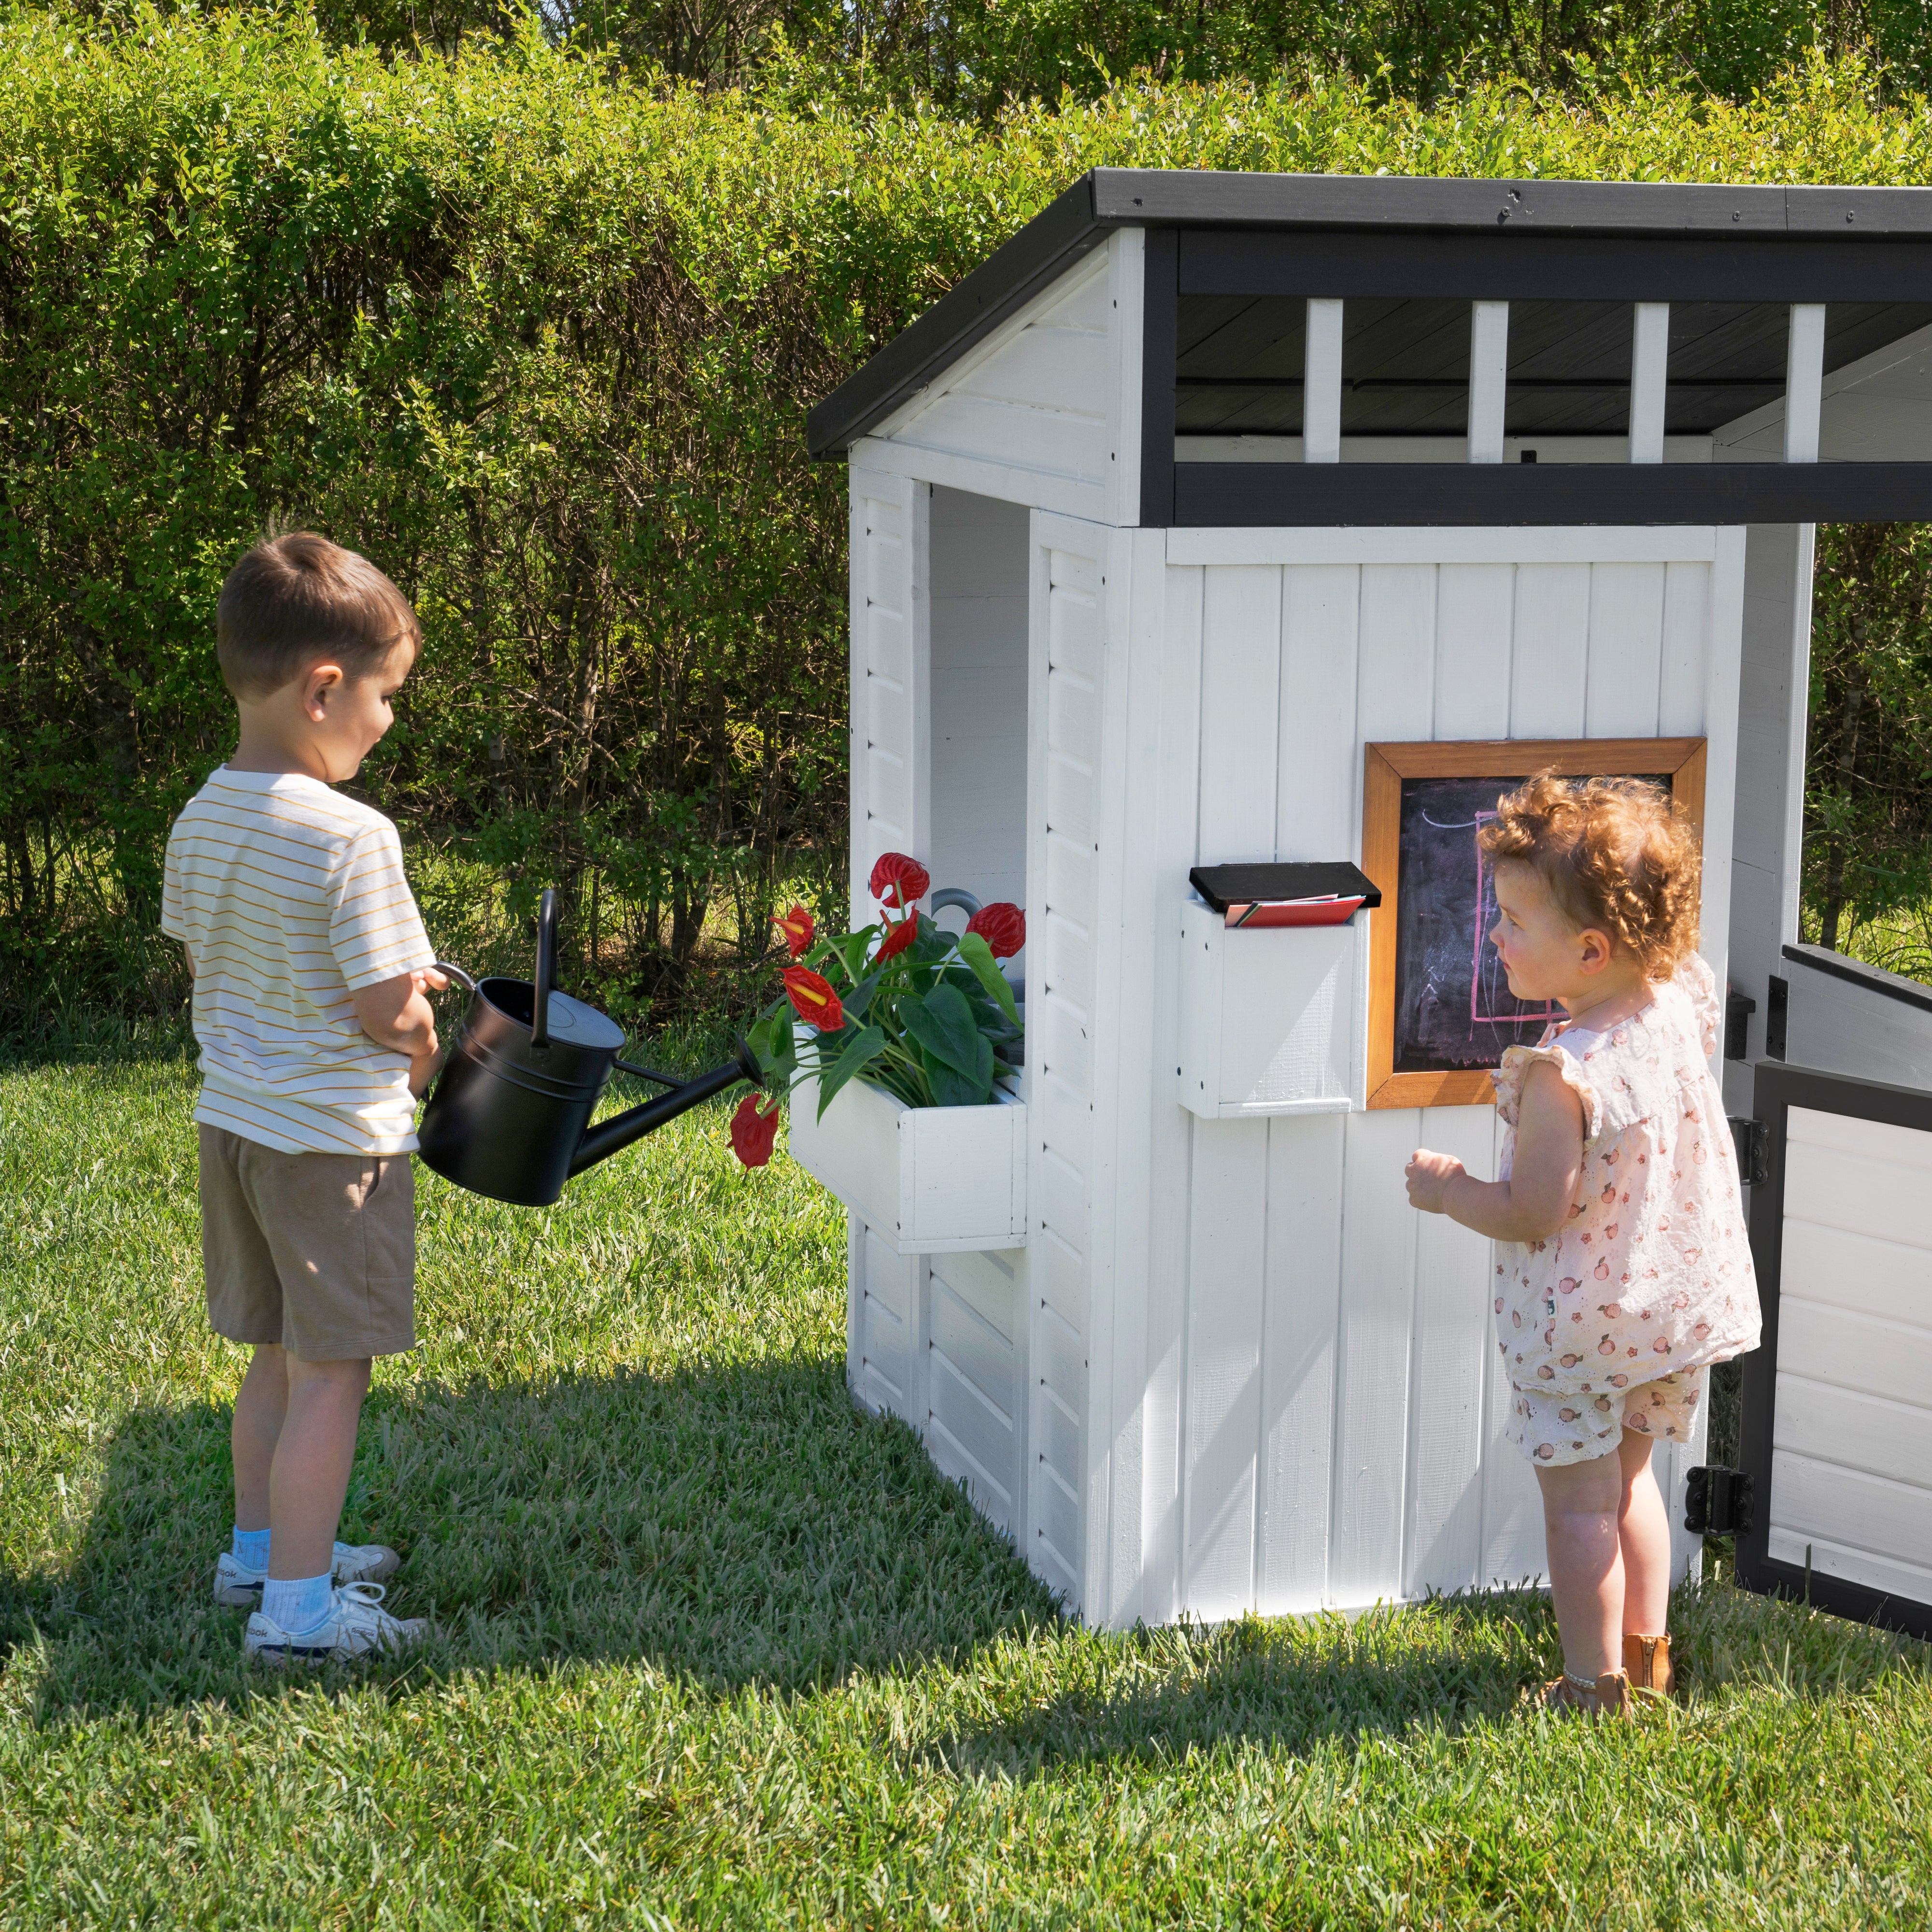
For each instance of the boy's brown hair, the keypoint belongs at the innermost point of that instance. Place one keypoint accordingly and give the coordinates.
(1619, 854)
(293, 600)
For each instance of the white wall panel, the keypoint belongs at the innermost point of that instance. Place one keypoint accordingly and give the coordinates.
(1851, 1447)
(1045, 412)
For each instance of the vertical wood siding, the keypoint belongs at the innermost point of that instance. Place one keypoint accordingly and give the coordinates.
(891, 667)
(1322, 1377)
(1851, 1480)
(1066, 700)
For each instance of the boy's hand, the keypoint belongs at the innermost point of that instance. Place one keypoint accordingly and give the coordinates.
(1428, 1176)
(428, 980)
(396, 1013)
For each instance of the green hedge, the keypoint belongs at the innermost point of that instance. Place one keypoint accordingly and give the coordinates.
(539, 338)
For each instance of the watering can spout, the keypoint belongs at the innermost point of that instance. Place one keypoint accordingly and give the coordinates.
(609, 1137)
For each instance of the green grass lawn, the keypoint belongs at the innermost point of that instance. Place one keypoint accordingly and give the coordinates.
(717, 1649)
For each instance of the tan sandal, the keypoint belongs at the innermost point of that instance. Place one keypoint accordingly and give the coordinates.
(1647, 1663)
(1608, 1697)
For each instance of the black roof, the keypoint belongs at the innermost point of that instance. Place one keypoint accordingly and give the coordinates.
(1285, 234)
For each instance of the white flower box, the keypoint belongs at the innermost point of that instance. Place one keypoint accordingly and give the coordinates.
(927, 1180)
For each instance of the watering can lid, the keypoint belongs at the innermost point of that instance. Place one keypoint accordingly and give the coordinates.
(579, 1025)
(583, 1026)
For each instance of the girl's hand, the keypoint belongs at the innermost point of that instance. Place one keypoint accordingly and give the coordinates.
(1428, 1176)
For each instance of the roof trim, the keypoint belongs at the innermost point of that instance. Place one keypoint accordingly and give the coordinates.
(1106, 199)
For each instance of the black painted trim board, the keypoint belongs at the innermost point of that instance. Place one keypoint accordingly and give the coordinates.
(1312, 495)
(1505, 267)
(1160, 323)
(1777, 1090)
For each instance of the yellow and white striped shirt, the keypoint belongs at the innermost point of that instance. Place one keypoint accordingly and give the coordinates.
(289, 897)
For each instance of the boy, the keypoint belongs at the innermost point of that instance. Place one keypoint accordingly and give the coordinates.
(309, 963)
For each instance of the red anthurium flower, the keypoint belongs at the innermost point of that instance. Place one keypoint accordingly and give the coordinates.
(813, 998)
(752, 1132)
(899, 935)
(897, 881)
(1002, 926)
(798, 929)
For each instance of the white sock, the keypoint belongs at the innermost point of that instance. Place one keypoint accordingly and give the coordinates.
(297, 1603)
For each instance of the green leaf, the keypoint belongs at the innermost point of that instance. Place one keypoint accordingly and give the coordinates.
(952, 1088)
(978, 955)
(856, 1002)
(942, 1023)
(865, 1045)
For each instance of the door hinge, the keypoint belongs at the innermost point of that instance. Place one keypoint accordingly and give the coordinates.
(1718, 1501)
(1752, 1138)
(1776, 1017)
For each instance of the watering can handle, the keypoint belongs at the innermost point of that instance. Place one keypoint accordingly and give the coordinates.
(454, 971)
(546, 969)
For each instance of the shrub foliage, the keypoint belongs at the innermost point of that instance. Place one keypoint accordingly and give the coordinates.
(537, 335)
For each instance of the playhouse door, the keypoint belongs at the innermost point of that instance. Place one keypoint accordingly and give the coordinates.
(1837, 1434)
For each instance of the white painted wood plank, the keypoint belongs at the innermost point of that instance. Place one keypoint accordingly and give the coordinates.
(1378, 1244)
(1684, 672)
(1224, 1278)
(1322, 384)
(1314, 814)
(1122, 1097)
(1859, 1194)
(1626, 645)
(1855, 1430)
(1261, 544)
(1804, 381)
(1489, 379)
(1650, 357)
(1864, 1140)
(1474, 623)
(1239, 718)
(1301, 1293)
(980, 1354)
(1912, 1582)
(1514, 1549)
(1854, 1274)
(1866, 1354)
(1448, 1435)
(1395, 680)
(1176, 750)
(987, 1284)
(1551, 652)
(1818, 1500)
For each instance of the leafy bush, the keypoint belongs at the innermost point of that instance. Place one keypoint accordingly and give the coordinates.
(539, 337)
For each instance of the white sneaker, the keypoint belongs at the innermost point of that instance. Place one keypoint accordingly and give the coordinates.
(356, 1625)
(240, 1589)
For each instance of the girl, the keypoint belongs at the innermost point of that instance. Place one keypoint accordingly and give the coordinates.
(1622, 1268)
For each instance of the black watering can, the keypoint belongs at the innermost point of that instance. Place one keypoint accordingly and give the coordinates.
(510, 1115)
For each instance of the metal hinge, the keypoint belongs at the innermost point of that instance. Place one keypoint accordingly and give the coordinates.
(1738, 1008)
(1718, 1501)
(1752, 1138)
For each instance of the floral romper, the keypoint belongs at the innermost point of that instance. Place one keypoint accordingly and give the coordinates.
(1609, 1323)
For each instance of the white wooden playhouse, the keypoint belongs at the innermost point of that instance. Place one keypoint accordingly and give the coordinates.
(1199, 486)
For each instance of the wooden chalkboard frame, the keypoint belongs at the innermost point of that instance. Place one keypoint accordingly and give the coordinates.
(1384, 766)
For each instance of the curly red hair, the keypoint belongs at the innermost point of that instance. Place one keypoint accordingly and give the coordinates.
(1619, 854)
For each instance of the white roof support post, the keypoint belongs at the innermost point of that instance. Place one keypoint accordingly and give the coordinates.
(1489, 379)
(1322, 385)
(1650, 364)
(1804, 381)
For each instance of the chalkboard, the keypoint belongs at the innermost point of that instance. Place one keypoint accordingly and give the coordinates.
(1454, 1008)
(1440, 1014)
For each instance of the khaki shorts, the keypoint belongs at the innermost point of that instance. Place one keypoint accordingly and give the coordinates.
(1553, 1429)
(316, 1251)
